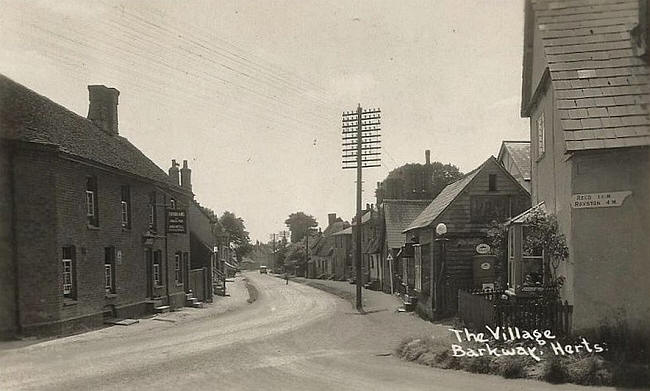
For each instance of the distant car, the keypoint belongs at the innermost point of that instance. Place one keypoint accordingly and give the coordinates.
(263, 270)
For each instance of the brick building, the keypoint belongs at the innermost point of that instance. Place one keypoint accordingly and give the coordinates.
(83, 217)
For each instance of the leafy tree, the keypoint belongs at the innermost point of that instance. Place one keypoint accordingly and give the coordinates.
(299, 224)
(418, 181)
(234, 227)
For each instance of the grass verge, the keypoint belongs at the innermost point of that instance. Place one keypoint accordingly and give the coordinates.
(584, 369)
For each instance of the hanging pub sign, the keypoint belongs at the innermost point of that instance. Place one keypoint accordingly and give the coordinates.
(599, 200)
(176, 221)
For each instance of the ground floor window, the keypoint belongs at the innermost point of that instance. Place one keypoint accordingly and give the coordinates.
(157, 269)
(69, 280)
(526, 266)
(109, 269)
(178, 274)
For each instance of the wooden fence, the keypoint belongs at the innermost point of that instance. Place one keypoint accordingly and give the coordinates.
(478, 309)
(475, 310)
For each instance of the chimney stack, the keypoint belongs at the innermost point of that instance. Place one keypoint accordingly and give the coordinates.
(186, 177)
(427, 157)
(173, 173)
(331, 219)
(102, 109)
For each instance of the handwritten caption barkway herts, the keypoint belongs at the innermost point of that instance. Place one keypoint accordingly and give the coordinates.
(541, 342)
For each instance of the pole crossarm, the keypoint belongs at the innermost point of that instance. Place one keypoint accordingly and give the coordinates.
(361, 149)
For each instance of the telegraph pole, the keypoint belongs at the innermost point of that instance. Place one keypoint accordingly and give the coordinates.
(360, 150)
(273, 257)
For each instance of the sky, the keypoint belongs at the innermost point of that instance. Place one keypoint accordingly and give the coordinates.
(251, 93)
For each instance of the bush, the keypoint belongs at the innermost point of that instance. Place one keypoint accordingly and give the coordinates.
(555, 371)
(477, 364)
(592, 371)
(510, 367)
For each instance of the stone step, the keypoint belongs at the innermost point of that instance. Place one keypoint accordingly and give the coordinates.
(190, 301)
(162, 309)
(198, 304)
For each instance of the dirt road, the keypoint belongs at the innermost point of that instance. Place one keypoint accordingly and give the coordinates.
(293, 337)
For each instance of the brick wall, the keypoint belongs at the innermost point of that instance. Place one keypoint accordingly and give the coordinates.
(50, 205)
(7, 267)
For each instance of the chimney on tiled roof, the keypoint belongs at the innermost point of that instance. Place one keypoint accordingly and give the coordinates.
(331, 219)
(427, 157)
(186, 176)
(102, 109)
(174, 173)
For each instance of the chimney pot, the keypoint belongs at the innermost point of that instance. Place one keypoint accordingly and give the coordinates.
(186, 176)
(173, 173)
(331, 218)
(427, 156)
(102, 108)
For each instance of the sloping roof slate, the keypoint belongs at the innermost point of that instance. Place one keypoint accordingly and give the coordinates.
(602, 85)
(442, 201)
(28, 116)
(520, 153)
(347, 231)
(398, 215)
(335, 227)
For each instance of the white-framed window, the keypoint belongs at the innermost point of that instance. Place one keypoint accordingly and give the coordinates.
(172, 203)
(178, 275)
(418, 268)
(157, 269)
(108, 277)
(109, 269)
(125, 214)
(156, 274)
(125, 209)
(152, 212)
(92, 211)
(541, 133)
(90, 203)
(68, 272)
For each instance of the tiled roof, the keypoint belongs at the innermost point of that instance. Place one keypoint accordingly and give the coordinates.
(347, 231)
(28, 116)
(336, 227)
(602, 85)
(442, 201)
(398, 215)
(520, 153)
(521, 218)
(365, 217)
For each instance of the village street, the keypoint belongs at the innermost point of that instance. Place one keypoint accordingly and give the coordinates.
(292, 337)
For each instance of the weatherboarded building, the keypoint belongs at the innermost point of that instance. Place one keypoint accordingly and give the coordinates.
(515, 157)
(468, 207)
(397, 215)
(586, 91)
(83, 217)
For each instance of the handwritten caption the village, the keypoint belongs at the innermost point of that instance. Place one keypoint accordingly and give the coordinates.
(498, 342)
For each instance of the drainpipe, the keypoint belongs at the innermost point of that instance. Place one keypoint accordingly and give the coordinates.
(166, 255)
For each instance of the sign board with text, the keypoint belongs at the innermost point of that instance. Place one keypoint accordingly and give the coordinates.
(599, 200)
(176, 221)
